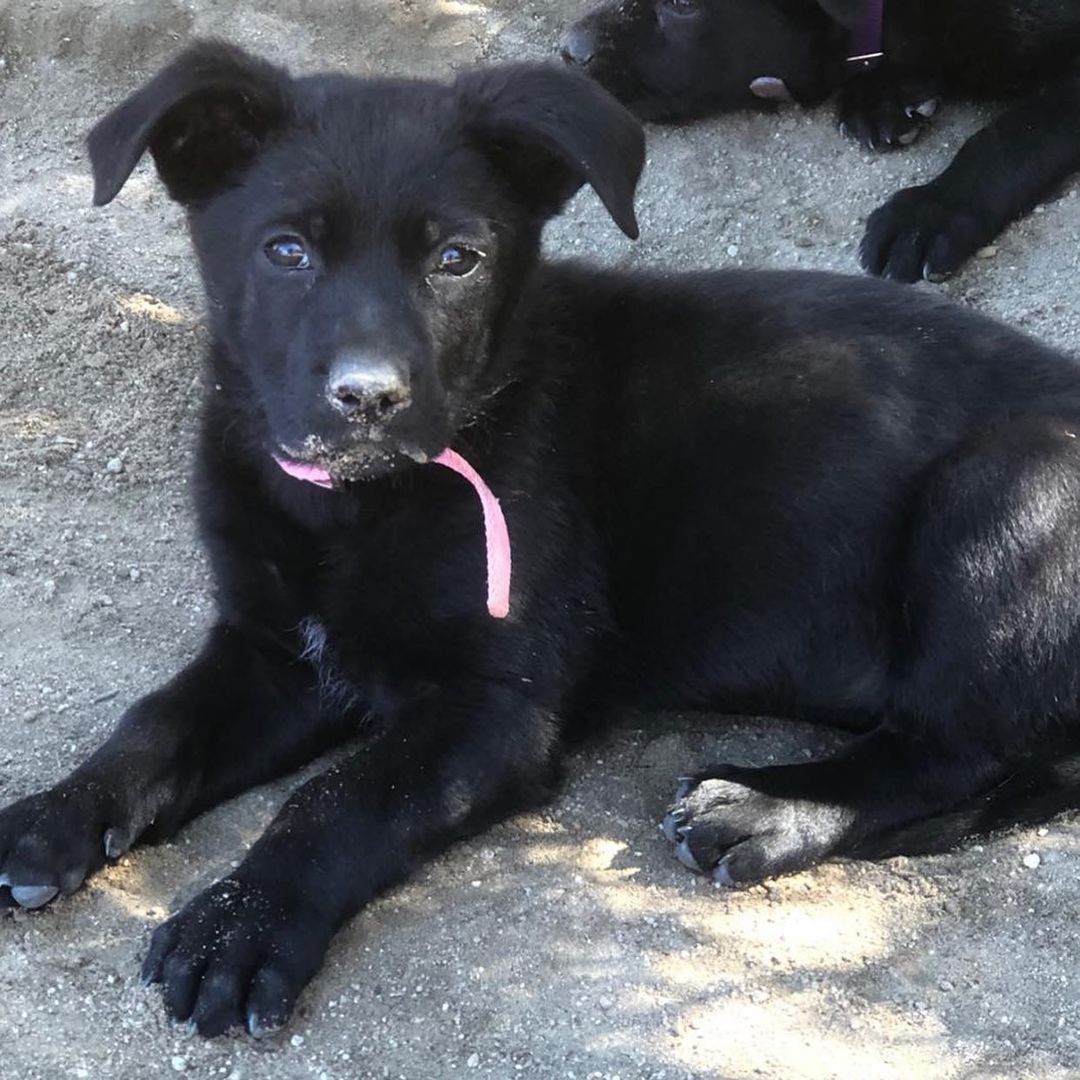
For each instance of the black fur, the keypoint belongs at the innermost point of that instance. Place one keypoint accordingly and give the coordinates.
(796, 494)
(677, 59)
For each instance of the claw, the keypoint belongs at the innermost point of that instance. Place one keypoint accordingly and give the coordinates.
(116, 844)
(33, 896)
(670, 826)
(722, 876)
(906, 138)
(257, 1029)
(925, 109)
(682, 853)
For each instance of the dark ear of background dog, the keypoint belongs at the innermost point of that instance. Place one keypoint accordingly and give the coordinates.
(676, 67)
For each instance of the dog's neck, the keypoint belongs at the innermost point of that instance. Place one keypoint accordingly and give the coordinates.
(866, 38)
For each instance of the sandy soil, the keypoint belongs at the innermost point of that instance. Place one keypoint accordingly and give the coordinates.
(563, 944)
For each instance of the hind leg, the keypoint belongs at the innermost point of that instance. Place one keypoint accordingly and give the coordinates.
(987, 677)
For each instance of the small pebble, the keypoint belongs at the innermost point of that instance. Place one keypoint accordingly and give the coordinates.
(474, 1061)
(178, 1063)
(987, 252)
(297, 1041)
(115, 465)
(733, 250)
(1032, 860)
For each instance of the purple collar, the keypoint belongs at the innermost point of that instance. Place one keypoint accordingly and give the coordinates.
(866, 43)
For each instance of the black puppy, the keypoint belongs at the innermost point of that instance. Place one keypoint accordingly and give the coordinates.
(795, 494)
(677, 59)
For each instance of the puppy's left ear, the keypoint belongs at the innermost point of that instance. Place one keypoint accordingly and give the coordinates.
(550, 130)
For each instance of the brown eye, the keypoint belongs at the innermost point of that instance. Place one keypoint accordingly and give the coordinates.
(288, 252)
(458, 260)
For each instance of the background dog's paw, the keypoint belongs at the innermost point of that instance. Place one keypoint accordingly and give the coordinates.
(236, 956)
(920, 234)
(50, 842)
(881, 114)
(721, 824)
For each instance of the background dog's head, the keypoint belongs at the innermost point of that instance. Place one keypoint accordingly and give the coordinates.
(362, 242)
(676, 59)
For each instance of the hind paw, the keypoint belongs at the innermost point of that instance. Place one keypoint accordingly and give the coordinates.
(735, 825)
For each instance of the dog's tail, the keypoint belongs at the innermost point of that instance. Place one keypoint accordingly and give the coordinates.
(1030, 796)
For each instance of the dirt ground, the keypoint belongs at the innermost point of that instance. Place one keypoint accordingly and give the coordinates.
(564, 944)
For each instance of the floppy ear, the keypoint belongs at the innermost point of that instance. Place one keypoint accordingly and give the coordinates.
(203, 117)
(848, 13)
(552, 129)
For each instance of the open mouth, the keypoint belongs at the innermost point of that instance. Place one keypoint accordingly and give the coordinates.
(316, 463)
(298, 470)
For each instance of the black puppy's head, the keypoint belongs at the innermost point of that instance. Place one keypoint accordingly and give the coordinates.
(677, 59)
(362, 242)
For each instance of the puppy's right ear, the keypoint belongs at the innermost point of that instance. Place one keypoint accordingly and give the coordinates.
(204, 117)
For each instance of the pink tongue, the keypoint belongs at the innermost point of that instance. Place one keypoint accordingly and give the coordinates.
(311, 473)
(496, 536)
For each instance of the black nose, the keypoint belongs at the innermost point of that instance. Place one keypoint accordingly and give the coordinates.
(366, 389)
(578, 45)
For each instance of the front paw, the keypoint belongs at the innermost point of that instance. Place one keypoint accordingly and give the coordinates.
(237, 955)
(919, 233)
(724, 824)
(50, 842)
(881, 114)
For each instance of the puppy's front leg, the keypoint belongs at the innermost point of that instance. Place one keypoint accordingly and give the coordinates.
(931, 230)
(241, 952)
(239, 714)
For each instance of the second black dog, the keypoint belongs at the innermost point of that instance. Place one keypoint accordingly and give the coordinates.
(797, 494)
(677, 59)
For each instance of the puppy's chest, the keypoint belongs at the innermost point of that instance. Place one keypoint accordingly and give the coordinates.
(336, 686)
(376, 604)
